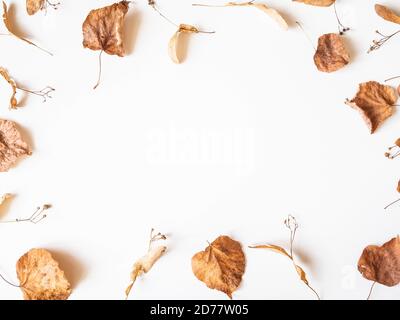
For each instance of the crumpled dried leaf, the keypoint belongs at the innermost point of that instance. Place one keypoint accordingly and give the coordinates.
(103, 29)
(12, 146)
(41, 278)
(387, 14)
(292, 225)
(375, 102)
(4, 197)
(7, 24)
(221, 265)
(145, 263)
(11, 82)
(318, 3)
(381, 264)
(173, 46)
(33, 6)
(331, 54)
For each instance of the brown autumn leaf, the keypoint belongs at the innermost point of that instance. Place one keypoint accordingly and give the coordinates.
(221, 265)
(381, 264)
(387, 14)
(103, 29)
(272, 13)
(7, 24)
(12, 145)
(145, 263)
(41, 278)
(375, 102)
(318, 3)
(33, 6)
(331, 54)
(12, 83)
(398, 186)
(173, 46)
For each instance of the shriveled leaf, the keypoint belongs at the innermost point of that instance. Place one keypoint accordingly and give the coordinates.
(387, 13)
(221, 265)
(273, 13)
(4, 197)
(144, 264)
(331, 54)
(12, 145)
(301, 273)
(33, 6)
(173, 46)
(381, 264)
(103, 29)
(375, 102)
(274, 248)
(11, 82)
(41, 278)
(318, 3)
(7, 23)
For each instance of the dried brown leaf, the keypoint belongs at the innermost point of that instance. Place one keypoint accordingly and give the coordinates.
(173, 45)
(103, 29)
(375, 102)
(12, 146)
(12, 83)
(381, 264)
(274, 248)
(221, 265)
(4, 197)
(398, 186)
(7, 23)
(144, 264)
(318, 3)
(387, 13)
(41, 278)
(33, 6)
(331, 54)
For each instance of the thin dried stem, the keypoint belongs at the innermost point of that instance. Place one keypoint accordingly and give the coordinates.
(342, 29)
(155, 237)
(392, 203)
(306, 34)
(392, 78)
(99, 75)
(376, 44)
(230, 4)
(35, 218)
(370, 290)
(8, 282)
(45, 93)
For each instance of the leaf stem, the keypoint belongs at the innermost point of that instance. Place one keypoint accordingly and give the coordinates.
(392, 203)
(370, 290)
(8, 282)
(99, 75)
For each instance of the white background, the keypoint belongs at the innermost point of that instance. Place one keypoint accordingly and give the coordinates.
(243, 133)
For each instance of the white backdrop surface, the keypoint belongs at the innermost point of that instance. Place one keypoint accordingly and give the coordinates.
(243, 133)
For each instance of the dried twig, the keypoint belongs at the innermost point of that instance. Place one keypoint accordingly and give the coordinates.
(35, 218)
(376, 44)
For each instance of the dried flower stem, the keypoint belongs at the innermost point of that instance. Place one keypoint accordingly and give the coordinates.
(155, 237)
(370, 290)
(292, 225)
(376, 44)
(45, 93)
(35, 218)
(392, 203)
(342, 29)
(152, 4)
(8, 282)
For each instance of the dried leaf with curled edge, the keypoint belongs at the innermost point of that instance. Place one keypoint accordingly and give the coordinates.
(41, 278)
(318, 3)
(272, 13)
(221, 266)
(375, 102)
(144, 264)
(173, 46)
(103, 29)
(11, 82)
(331, 54)
(7, 23)
(12, 146)
(387, 14)
(381, 264)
